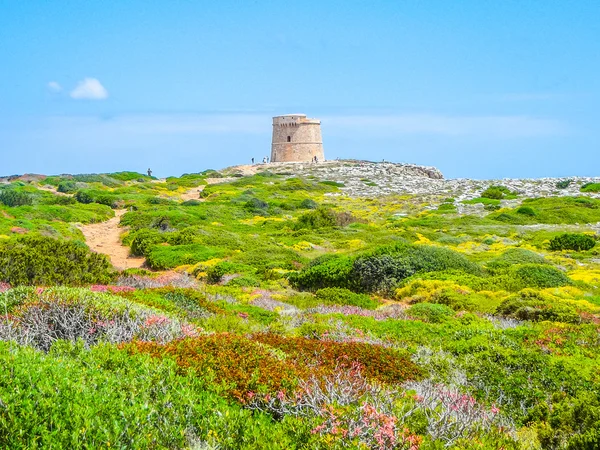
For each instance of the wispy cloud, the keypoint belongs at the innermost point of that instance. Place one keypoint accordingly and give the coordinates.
(89, 89)
(54, 86)
(468, 126)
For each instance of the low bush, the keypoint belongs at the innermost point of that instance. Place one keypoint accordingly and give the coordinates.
(341, 296)
(256, 206)
(84, 197)
(496, 192)
(323, 218)
(572, 241)
(215, 273)
(308, 204)
(46, 261)
(328, 271)
(107, 398)
(563, 184)
(532, 305)
(517, 255)
(385, 268)
(590, 187)
(12, 197)
(431, 312)
(162, 257)
(144, 240)
(541, 276)
(67, 187)
(526, 211)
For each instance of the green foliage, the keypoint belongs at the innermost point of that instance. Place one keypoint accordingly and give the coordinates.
(496, 192)
(341, 296)
(84, 197)
(563, 184)
(553, 210)
(541, 276)
(67, 187)
(308, 203)
(332, 183)
(526, 211)
(590, 187)
(514, 256)
(215, 273)
(146, 403)
(531, 305)
(13, 197)
(162, 257)
(430, 312)
(383, 269)
(144, 240)
(327, 271)
(324, 218)
(572, 241)
(46, 261)
(256, 206)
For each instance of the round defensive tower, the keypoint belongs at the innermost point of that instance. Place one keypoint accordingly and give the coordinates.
(296, 138)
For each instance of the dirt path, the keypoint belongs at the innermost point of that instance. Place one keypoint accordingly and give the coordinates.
(104, 238)
(53, 190)
(192, 194)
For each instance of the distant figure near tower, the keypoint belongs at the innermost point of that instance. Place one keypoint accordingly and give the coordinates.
(296, 139)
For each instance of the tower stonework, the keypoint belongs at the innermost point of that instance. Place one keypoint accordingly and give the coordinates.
(296, 138)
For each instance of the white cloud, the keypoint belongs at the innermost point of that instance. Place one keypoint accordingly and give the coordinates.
(89, 89)
(54, 86)
(472, 126)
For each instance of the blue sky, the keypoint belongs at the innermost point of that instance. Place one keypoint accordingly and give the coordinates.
(477, 88)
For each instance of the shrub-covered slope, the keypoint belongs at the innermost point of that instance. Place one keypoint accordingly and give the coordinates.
(329, 306)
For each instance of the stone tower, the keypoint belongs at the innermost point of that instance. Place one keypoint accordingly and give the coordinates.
(296, 138)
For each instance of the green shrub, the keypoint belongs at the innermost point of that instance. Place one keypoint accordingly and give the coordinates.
(341, 296)
(531, 305)
(332, 183)
(12, 198)
(144, 240)
(526, 211)
(563, 184)
(216, 272)
(308, 204)
(192, 203)
(46, 261)
(541, 276)
(572, 241)
(385, 268)
(381, 270)
(84, 197)
(497, 192)
(590, 187)
(67, 187)
(431, 312)
(256, 206)
(162, 257)
(517, 256)
(327, 271)
(324, 218)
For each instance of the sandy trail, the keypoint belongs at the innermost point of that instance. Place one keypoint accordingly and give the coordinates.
(105, 238)
(53, 190)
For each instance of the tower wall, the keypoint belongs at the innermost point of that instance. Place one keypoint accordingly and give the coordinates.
(296, 138)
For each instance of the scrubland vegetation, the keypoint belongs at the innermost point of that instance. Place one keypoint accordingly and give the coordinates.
(276, 313)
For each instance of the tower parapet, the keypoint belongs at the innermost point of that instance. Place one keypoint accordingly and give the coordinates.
(296, 138)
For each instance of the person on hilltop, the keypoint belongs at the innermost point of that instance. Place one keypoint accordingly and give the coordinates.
(252, 160)
(149, 172)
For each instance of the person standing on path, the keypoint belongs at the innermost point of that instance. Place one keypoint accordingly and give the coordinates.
(149, 172)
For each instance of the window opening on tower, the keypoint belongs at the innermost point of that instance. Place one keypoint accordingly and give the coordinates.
(289, 139)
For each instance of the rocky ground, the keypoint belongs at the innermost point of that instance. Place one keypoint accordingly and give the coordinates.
(369, 179)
